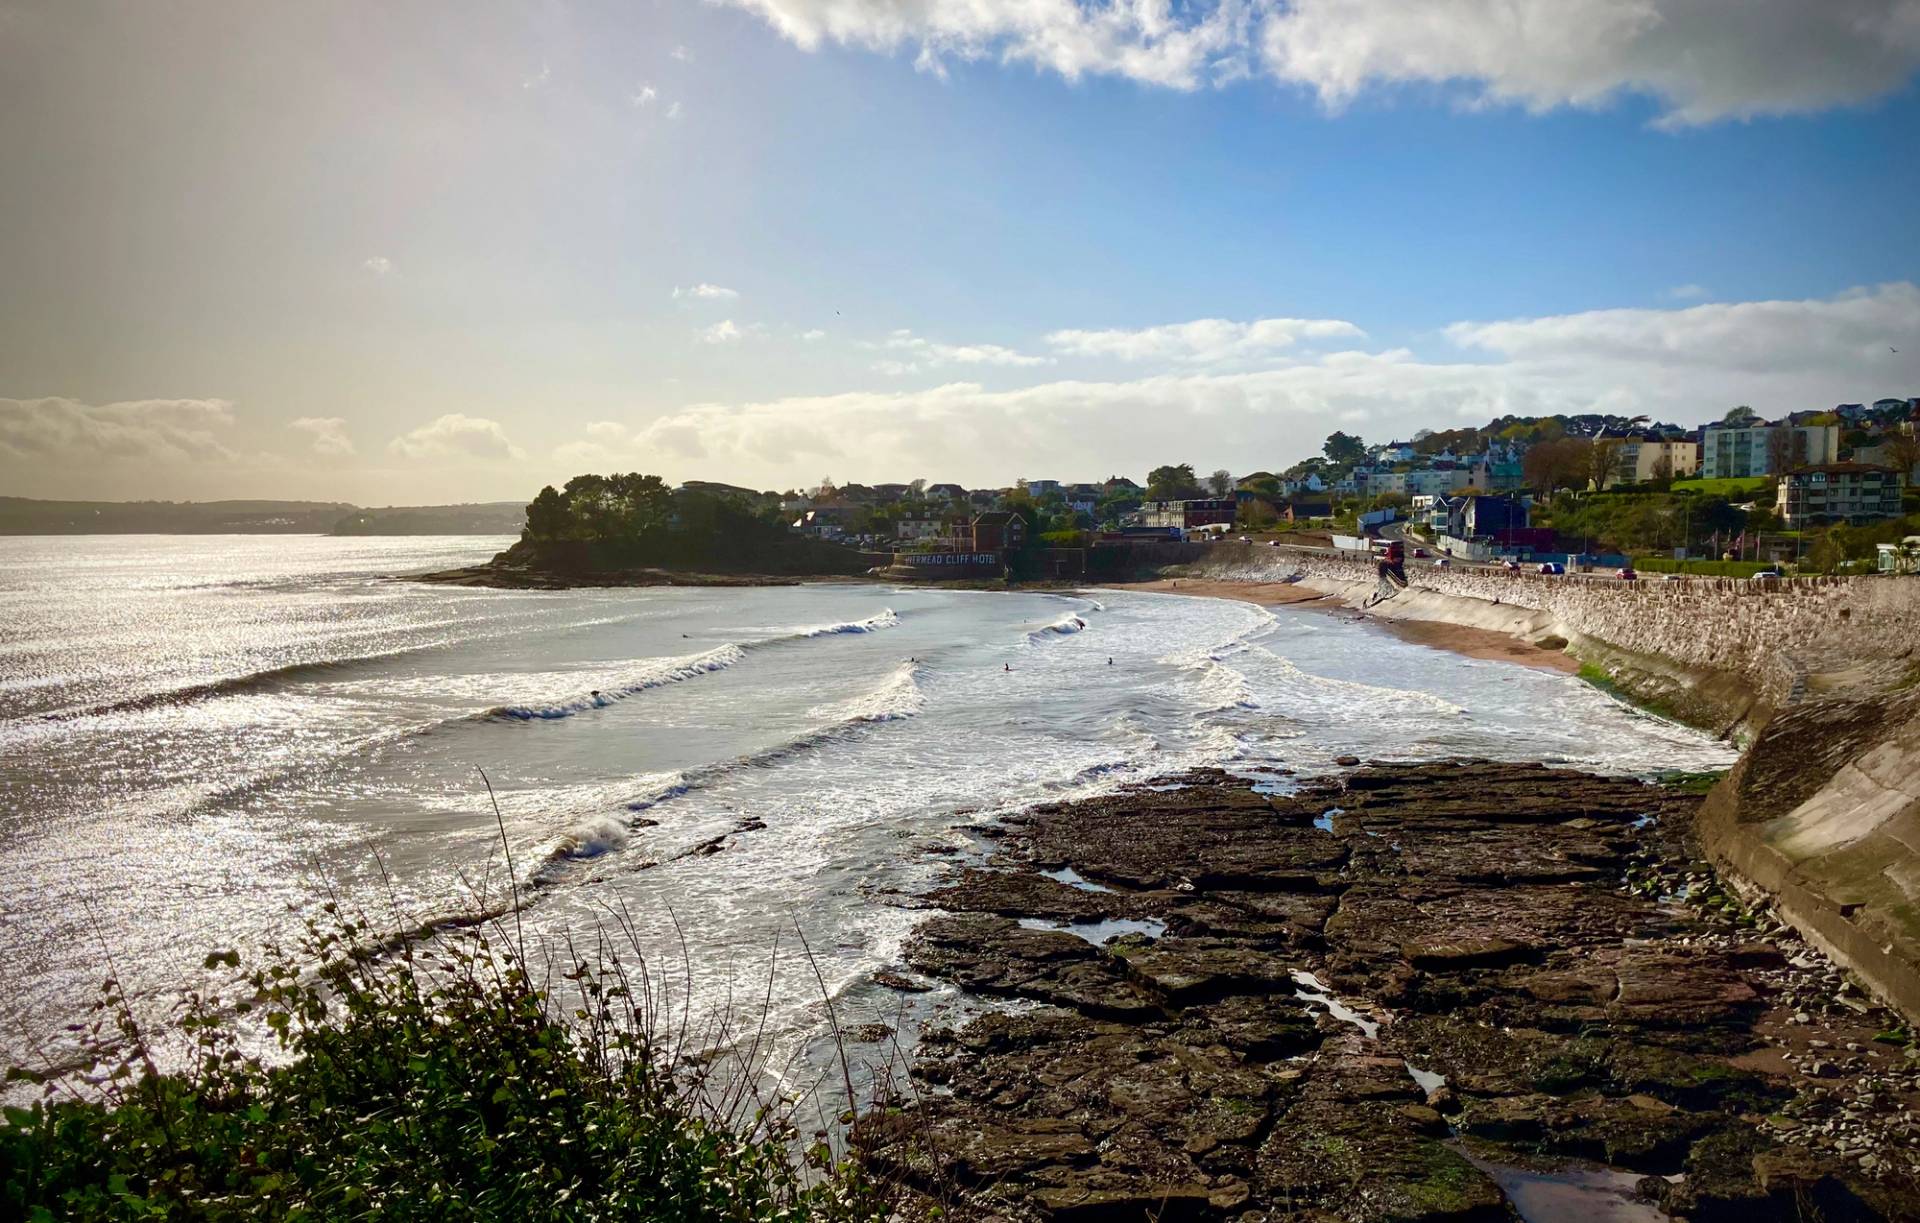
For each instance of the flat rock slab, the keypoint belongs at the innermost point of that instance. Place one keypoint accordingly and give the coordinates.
(1255, 1062)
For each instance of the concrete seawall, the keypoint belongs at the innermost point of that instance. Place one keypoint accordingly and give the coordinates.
(1820, 678)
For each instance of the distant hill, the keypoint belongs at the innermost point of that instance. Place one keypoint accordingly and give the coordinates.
(486, 518)
(26, 516)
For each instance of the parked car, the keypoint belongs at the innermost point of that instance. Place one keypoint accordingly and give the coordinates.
(1767, 575)
(1419, 554)
(1441, 562)
(1626, 574)
(1552, 567)
(1675, 577)
(1511, 566)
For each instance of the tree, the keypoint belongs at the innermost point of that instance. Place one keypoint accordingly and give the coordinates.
(825, 490)
(1560, 463)
(547, 516)
(1173, 483)
(1220, 483)
(1603, 461)
(1257, 514)
(1903, 450)
(919, 487)
(1782, 453)
(1827, 555)
(1343, 449)
(1742, 417)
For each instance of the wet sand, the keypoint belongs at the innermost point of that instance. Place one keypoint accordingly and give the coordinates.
(1472, 642)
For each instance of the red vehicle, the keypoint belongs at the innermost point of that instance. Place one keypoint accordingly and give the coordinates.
(1419, 554)
(1627, 574)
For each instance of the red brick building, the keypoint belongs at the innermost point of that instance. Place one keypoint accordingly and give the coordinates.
(999, 531)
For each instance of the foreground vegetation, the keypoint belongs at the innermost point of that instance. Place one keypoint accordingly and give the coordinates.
(436, 1081)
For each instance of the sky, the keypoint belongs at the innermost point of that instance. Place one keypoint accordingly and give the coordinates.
(452, 251)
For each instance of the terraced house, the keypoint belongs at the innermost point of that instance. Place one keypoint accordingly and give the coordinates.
(1839, 492)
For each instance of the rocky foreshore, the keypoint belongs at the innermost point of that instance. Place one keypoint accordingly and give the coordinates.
(1449, 991)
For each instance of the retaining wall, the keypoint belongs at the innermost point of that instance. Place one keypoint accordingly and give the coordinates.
(1770, 634)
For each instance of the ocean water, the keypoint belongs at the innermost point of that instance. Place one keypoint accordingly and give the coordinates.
(203, 738)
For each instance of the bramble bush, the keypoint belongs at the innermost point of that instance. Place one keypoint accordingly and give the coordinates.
(415, 1078)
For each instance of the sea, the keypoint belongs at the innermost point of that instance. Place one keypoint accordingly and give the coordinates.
(204, 739)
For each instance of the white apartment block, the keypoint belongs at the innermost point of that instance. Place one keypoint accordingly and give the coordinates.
(1765, 450)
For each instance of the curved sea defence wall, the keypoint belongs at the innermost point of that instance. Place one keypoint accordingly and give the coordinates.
(1819, 676)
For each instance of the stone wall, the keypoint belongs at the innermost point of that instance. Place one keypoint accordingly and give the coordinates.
(1771, 635)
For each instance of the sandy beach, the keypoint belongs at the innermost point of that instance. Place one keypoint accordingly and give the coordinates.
(1472, 642)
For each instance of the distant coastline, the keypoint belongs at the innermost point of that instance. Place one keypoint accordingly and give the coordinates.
(30, 516)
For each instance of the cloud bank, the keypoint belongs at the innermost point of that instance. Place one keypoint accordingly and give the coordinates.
(1206, 341)
(328, 434)
(1703, 60)
(1684, 365)
(456, 436)
(68, 432)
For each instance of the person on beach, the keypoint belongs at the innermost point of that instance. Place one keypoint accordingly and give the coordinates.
(1006, 666)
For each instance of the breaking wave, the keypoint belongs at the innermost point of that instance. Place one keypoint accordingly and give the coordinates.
(603, 832)
(660, 673)
(1064, 626)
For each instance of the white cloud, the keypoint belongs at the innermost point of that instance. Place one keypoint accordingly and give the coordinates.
(1701, 58)
(328, 435)
(379, 265)
(682, 54)
(706, 292)
(812, 334)
(645, 97)
(673, 111)
(539, 78)
(922, 353)
(1208, 341)
(1685, 365)
(1687, 292)
(723, 332)
(456, 436)
(1740, 339)
(56, 433)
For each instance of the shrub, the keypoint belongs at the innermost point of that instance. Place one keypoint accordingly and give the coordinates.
(428, 1079)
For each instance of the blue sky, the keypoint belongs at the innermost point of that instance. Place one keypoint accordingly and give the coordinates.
(451, 252)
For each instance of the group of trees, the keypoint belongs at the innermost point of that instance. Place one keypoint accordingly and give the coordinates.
(1177, 482)
(630, 519)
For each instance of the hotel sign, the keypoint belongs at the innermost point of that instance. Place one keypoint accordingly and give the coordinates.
(946, 558)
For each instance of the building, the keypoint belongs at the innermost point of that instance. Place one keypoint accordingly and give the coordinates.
(1188, 515)
(998, 531)
(1839, 492)
(1302, 508)
(1434, 480)
(1043, 488)
(918, 529)
(1474, 517)
(946, 492)
(1736, 452)
(1903, 557)
(1656, 458)
(1498, 470)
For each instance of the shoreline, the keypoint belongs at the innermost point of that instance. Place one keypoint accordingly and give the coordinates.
(1489, 644)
